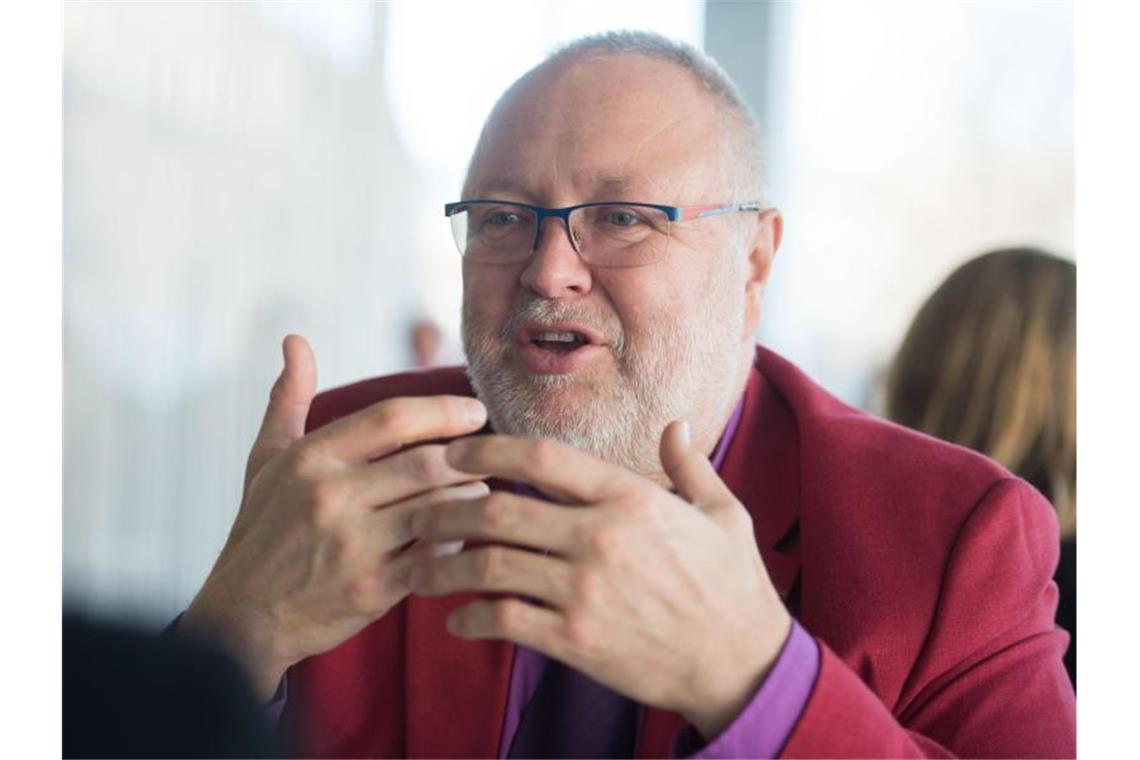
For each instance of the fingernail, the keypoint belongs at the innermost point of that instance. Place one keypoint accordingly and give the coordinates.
(475, 490)
(445, 548)
(476, 412)
(686, 433)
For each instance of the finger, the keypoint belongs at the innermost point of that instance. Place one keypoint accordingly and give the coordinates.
(395, 572)
(388, 425)
(496, 569)
(691, 471)
(514, 620)
(503, 517)
(392, 525)
(391, 555)
(289, 402)
(402, 475)
(556, 469)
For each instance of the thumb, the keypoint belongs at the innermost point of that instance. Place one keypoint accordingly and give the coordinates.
(289, 402)
(691, 471)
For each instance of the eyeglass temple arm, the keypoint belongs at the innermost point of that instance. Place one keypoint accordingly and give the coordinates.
(703, 212)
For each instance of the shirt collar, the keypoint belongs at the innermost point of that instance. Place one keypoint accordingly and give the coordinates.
(727, 436)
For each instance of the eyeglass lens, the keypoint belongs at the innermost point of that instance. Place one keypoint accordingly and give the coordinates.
(607, 235)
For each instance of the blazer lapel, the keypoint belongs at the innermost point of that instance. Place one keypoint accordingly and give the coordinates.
(762, 467)
(455, 690)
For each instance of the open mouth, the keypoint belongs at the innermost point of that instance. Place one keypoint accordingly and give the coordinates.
(559, 342)
(559, 348)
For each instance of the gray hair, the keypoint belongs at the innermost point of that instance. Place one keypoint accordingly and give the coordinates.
(743, 146)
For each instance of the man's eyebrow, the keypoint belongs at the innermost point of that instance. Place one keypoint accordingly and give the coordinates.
(612, 186)
(498, 188)
(599, 187)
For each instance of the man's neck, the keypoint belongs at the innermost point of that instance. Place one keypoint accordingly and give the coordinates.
(708, 429)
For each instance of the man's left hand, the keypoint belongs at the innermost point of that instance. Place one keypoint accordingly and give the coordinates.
(661, 596)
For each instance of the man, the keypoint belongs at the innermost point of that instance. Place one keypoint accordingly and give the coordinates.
(666, 539)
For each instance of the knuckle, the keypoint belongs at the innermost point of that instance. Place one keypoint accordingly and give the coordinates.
(425, 464)
(496, 512)
(544, 455)
(635, 508)
(587, 586)
(508, 616)
(392, 414)
(329, 491)
(580, 632)
(303, 457)
(326, 498)
(489, 564)
(606, 543)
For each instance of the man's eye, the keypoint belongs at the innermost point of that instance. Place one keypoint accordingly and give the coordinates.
(502, 219)
(623, 219)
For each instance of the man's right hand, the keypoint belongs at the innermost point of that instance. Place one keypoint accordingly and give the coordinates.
(319, 548)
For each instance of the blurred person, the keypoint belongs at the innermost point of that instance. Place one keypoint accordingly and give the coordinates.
(426, 341)
(625, 529)
(129, 693)
(990, 363)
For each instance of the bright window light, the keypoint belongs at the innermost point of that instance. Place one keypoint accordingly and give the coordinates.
(447, 63)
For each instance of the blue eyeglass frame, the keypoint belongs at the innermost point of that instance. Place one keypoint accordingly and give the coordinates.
(672, 213)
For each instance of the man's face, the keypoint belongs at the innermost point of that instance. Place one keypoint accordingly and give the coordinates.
(665, 341)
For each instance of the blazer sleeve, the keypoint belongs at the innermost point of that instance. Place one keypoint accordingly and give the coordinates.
(989, 679)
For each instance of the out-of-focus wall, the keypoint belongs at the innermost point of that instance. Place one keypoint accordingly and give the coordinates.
(904, 139)
(225, 183)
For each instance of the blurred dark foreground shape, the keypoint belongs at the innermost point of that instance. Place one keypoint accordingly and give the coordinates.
(990, 363)
(127, 693)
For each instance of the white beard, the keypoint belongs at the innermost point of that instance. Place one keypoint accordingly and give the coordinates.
(686, 369)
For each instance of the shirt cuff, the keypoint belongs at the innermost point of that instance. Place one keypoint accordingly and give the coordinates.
(764, 725)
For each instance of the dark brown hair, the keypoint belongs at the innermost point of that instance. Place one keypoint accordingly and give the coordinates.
(990, 363)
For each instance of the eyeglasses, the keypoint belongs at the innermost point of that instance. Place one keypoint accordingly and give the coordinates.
(612, 234)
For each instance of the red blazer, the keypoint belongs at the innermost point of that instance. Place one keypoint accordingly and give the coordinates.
(923, 570)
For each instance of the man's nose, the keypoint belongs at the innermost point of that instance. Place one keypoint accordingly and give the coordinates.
(555, 270)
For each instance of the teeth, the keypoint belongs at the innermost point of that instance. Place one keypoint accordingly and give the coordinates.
(557, 337)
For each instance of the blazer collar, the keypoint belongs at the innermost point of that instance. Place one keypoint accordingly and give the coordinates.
(762, 468)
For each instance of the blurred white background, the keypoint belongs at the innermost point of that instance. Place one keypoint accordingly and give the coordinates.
(237, 171)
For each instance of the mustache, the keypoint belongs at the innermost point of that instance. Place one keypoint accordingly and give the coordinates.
(550, 312)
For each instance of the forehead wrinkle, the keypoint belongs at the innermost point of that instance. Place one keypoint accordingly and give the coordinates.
(676, 179)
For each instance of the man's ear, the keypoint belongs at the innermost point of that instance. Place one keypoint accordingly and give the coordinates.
(762, 246)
